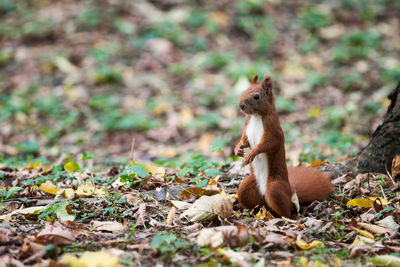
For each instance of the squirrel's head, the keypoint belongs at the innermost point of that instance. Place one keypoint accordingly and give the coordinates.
(258, 98)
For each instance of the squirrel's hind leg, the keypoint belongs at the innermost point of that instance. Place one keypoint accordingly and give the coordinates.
(278, 197)
(248, 195)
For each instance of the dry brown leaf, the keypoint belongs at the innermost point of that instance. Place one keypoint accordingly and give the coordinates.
(171, 216)
(208, 207)
(141, 215)
(373, 228)
(108, 226)
(396, 166)
(56, 234)
(5, 235)
(389, 223)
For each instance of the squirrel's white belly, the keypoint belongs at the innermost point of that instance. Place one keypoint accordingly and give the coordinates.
(255, 132)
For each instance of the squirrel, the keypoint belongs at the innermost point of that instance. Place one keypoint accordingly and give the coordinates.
(270, 181)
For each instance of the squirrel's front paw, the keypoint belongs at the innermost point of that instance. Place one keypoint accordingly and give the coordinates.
(239, 151)
(249, 158)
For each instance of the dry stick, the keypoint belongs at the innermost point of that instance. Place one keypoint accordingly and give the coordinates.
(390, 176)
(132, 148)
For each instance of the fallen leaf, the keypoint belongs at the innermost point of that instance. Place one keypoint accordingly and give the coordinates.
(91, 259)
(304, 245)
(55, 234)
(50, 188)
(386, 260)
(208, 207)
(156, 171)
(210, 237)
(5, 235)
(141, 215)
(69, 193)
(396, 166)
(171, 215)
(360, 202)
(364, 233)
(180, 204)
(389, 223)
(87, 190)
(63, 212)
(374, 228)
(26, 211)
(381, 201)
(240, 258)
(108, 226)
(71, 166)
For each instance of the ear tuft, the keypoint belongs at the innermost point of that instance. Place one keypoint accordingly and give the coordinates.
(255, 79)
(267, 83)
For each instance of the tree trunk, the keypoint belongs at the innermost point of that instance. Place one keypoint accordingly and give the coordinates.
(378, 155)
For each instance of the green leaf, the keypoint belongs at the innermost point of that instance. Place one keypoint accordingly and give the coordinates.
(62, 213)
(213, 172)
(140, 170)
(182, 172)
(86, 156)
(202, 183)
(71, 166)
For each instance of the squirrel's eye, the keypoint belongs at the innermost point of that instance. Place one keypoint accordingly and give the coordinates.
(256, 96)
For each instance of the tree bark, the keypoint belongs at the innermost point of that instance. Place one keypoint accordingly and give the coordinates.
(378, 155)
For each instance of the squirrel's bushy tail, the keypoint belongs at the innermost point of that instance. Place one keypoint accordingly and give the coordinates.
(309, 184)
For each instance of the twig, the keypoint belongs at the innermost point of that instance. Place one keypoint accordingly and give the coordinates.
(132, 148)
(390, 176)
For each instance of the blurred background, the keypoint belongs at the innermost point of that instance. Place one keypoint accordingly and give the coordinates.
(88, 76)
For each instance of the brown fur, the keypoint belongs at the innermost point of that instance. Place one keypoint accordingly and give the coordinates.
(309, 184)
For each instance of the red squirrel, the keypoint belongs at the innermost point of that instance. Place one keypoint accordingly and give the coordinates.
(270, 181)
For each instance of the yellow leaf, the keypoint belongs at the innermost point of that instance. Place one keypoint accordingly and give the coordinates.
(156, 171)
(71, 166)
(380, 200)
(364, 233)
(303, 244)
(260, 216)
(92, 259)
(49, 188)
(314, 112)
(86, 190)
(222, 192)
(34, 165)
(69, 193)
(360, 202)
(185, 116)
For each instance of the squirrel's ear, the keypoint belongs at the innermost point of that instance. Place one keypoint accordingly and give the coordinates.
(267, 83)
(255, 79)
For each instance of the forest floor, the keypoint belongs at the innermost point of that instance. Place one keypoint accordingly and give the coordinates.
(116, 116)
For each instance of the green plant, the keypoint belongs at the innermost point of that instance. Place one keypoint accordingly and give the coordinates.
(357, 45)
(168, 244)
(260, 28)
(314, 19)
(6, 194)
